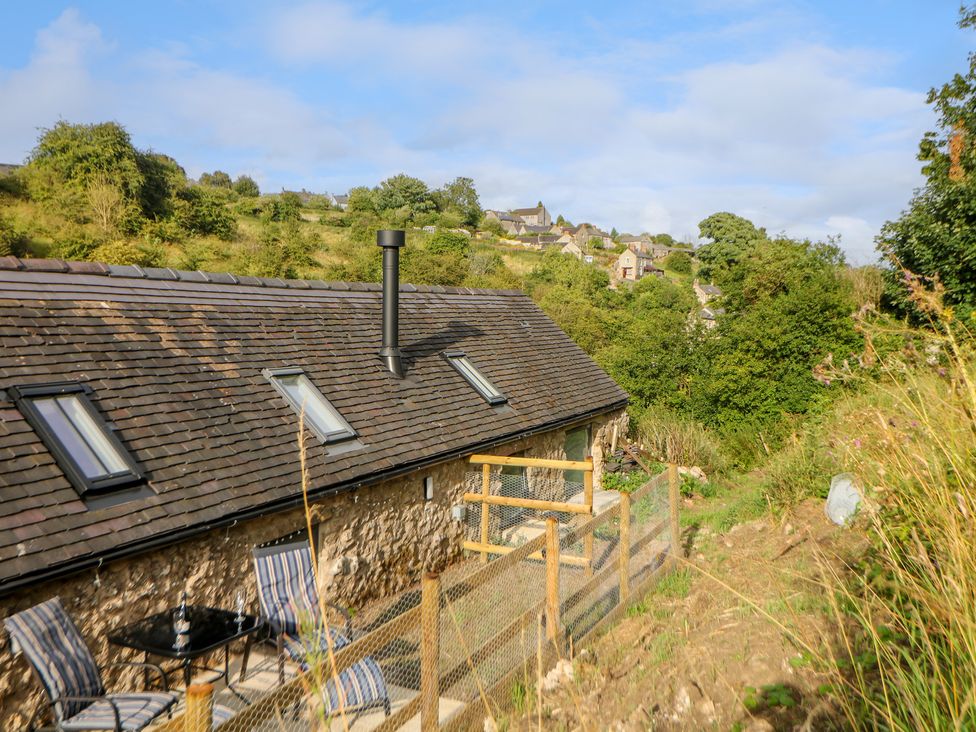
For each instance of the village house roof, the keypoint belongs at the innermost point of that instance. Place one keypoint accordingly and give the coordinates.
(174, 363)
(528, 211)
(711, 290)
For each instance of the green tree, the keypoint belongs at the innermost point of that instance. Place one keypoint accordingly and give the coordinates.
(731, 237)
(410, 196)
(285, 207)
(361, 200)
(203, 210)
(246, 186)
(217, 179)
(614, 234)
(787, 310)
(936, 235)
(163, 178)
(68, 159)
(461, 197)
(679, 262)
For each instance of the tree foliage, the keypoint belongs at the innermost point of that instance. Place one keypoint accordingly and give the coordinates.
(936, 236)
(731, 236)
(460, 197)
(246, 186)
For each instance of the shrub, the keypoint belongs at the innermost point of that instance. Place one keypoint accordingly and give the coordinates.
(678, 262)
(125, 252)
(802, 469)
(443, 242)
(246, 186)
(202, 210)
(13, 241)
(673, 438)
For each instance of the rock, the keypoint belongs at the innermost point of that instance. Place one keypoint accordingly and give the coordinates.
(682, 702)
(706, 710)
(695, 472)
(758, 725)
(561, 674)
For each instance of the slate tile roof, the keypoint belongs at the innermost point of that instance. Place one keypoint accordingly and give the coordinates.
(175, 359)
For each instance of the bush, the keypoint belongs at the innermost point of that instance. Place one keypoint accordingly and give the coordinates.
(802, 469)
(247, 187)
(202, 210)
(13, 241)
(449, 242)
(678, 262)
(676, 439)
(125, 252)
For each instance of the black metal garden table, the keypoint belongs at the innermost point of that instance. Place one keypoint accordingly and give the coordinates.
(210, 629)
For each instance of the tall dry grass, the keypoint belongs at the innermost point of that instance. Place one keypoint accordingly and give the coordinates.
(906, 617)
(671, 438)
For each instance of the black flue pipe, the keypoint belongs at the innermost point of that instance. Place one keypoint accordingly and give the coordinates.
(391, 240)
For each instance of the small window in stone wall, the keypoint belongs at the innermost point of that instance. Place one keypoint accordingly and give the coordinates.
(577, 447)
(514, 483)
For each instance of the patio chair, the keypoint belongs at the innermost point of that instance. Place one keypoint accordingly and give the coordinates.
(289, 598)
(72, 680)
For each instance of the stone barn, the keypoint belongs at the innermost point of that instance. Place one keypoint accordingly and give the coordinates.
(149, 432)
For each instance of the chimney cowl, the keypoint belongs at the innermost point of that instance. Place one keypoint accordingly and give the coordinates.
(390, 240)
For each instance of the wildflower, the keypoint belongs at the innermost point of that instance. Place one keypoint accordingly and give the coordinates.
(857, 442)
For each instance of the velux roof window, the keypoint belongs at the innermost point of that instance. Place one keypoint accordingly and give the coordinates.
(460, 361)
(320, 416)
(91, 457)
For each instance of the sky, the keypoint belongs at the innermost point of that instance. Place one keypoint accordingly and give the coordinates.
(803, 116)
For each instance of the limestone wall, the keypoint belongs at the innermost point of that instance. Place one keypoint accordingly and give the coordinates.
(373, 542)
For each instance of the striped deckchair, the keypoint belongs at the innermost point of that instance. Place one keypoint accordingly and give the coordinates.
(73, 682)
(289, 600)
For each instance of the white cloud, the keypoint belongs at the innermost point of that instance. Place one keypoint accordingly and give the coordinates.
(54, 84)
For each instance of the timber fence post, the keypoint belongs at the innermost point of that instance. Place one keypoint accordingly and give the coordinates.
(588, 501)
(485, 508)
(624, 546)
(552, 578)
(198, 716)
(430, 600)
(674, 496)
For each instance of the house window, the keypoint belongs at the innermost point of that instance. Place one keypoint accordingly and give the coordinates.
(577, 447)
(320, 416)
(91, 457)
(460, 361)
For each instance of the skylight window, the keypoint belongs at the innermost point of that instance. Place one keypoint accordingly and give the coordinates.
(460, 361)
(91, 457)
(320, 416)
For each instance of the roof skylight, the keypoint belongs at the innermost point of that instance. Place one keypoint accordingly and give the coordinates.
(320, 416)
(90, 456)
(460, 361)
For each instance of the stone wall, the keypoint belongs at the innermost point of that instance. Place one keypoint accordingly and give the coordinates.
(373, 542)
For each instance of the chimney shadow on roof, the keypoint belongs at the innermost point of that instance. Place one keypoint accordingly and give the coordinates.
(444, 340)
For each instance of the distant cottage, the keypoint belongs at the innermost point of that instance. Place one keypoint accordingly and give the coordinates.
(633, 265)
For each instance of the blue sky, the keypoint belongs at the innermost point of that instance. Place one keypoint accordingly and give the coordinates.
(803, 116)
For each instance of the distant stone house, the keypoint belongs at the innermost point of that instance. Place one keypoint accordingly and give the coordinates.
(633, 265)
(709, 316)
(536, 216)
(706, 293)
(187, 383)
(339, 201)
(586, 232)
(572, 248)
(510, 224)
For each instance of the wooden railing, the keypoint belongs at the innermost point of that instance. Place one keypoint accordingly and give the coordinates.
(486, 499)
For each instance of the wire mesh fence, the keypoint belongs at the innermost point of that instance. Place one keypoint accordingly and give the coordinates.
(476, 639)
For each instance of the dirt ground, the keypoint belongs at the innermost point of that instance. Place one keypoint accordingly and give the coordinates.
(732, 640)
